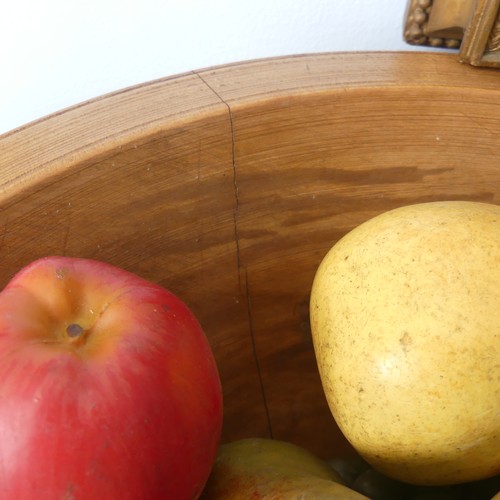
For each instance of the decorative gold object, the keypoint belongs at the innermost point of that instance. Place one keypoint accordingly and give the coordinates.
(435, 23)
(481, 44)
(472, 26)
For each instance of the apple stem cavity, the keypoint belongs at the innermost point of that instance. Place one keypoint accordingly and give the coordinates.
(74, 330)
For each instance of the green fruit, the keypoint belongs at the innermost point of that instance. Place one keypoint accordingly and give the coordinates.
(267, 468)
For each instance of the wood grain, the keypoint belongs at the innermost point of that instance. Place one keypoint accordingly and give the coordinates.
(142, 179)
(228, 186)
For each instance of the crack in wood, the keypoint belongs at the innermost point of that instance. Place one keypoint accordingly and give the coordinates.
(240, 268)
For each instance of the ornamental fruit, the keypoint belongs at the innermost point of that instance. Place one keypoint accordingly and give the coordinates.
(405, 316)
(255, 468)
(108, 387)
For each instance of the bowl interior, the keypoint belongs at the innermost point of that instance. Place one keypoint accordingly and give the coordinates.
(229, 185)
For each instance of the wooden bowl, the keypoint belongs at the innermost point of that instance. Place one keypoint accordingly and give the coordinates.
(228, 186)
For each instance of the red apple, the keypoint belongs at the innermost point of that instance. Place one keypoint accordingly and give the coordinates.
(108, 387)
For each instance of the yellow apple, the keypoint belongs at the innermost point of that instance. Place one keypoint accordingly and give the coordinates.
(405, 318)
(267, 468)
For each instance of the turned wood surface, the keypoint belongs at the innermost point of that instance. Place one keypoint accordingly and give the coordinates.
(228, 186)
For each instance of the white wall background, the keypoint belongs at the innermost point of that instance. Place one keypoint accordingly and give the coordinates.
(56, 53)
